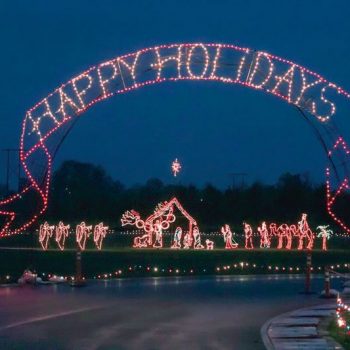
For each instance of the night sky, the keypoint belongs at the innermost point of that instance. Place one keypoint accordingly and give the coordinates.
(212, 128)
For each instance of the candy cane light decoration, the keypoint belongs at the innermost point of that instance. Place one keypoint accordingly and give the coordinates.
(47, 122)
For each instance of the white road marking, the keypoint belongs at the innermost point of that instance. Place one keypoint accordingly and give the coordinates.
(48, 317)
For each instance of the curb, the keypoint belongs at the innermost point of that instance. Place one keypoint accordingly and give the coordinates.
(264, 330)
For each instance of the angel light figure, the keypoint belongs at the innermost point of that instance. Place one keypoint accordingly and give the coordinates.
(45, 233)
(82, 232)
(61, 233)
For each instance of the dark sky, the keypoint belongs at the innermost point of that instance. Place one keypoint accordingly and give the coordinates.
(212, 128)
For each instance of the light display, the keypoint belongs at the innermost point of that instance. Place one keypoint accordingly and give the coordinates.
(284, 234)
(264, 236)
(305, 232)
(343, 185)
(177, 238)
(248, 234)
(61, 233)
(161, 219)
(82, 232)
(230, 243)
(141, 241)
(197, 238)
(158, 231)
(44, 123)
(325, 233)
(188, 240)
(175, 167)
(45, 233)
(209, 244)
(100, 232)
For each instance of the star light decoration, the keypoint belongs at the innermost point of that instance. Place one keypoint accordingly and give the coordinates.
(175, 167)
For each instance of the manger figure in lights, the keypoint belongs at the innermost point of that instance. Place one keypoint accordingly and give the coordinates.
(45, 233)
(325, 233)
(230, 243)
(160, 220)
(188, 240)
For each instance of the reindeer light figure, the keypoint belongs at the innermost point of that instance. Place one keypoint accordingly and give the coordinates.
(82, 234)
(100, 233)
(325, 233)
(61, 233)
(45, 233)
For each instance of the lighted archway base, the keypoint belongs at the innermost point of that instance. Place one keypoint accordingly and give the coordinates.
(46, 124)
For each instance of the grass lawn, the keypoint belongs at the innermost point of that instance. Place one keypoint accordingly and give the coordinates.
(134, 262)
(20, 252)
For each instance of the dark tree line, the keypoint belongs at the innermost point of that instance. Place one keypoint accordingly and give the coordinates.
(82, 191)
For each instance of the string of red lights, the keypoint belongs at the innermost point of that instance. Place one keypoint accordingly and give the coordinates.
(259, 70)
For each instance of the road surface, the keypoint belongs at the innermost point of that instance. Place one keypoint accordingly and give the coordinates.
(223, 312)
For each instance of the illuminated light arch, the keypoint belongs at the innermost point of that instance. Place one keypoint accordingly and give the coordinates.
(46, 124)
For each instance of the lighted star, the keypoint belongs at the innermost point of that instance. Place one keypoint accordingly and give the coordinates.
(176, 167)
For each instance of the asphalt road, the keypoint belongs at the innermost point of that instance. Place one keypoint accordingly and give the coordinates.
(154, 313)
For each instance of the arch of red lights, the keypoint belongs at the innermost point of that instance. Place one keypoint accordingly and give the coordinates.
(45, 124)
